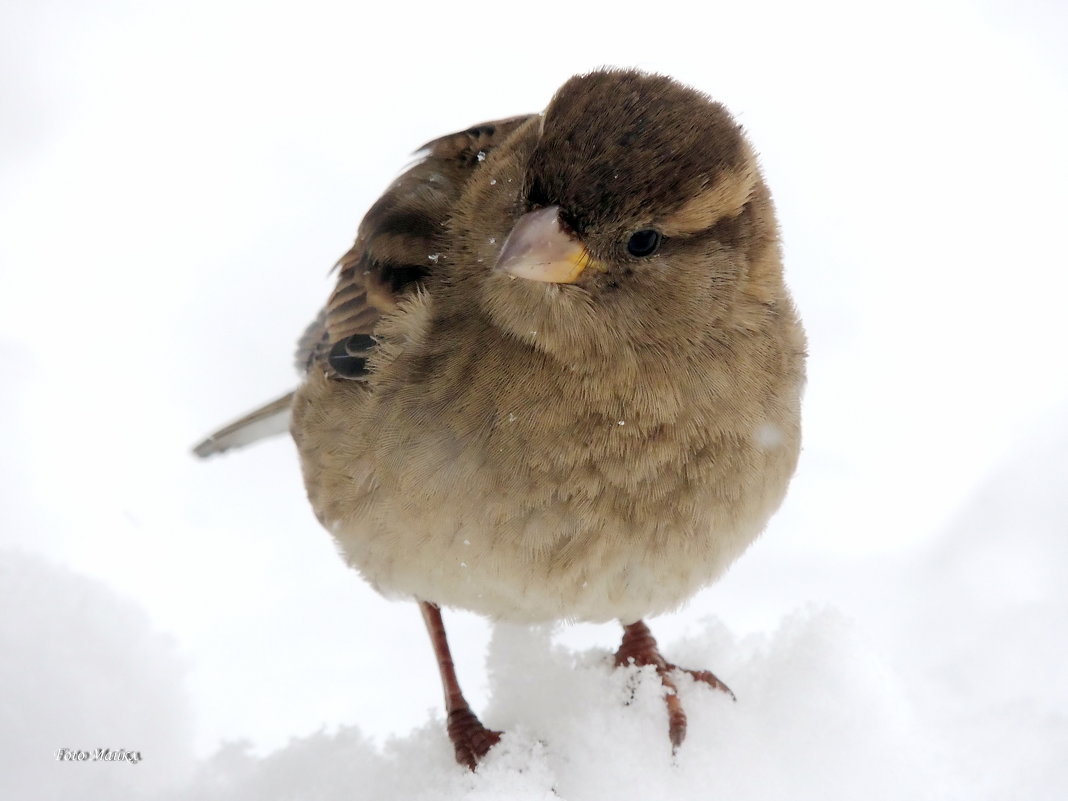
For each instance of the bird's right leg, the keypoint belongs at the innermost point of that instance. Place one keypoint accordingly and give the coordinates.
(469, 737)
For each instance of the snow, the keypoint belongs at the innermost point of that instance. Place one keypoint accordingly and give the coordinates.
(177, 179)
(959, 691)
(817, 707)
(82, 670)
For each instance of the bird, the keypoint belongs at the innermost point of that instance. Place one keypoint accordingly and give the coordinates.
(560, 375)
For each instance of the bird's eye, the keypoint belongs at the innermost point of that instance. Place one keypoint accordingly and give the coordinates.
(643, 243)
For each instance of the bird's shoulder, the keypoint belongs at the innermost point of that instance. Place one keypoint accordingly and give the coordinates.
(398, 245)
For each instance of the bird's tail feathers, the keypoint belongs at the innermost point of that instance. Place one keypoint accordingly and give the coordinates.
(266, 421)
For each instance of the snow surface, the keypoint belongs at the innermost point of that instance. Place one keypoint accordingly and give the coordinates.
(960, 691)
(176, 179)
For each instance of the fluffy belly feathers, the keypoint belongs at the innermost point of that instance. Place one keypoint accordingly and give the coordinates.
(622, 524)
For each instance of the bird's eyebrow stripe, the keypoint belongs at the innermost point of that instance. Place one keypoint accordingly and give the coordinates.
(726, 196)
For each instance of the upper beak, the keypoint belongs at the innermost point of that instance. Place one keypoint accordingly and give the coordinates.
(540, 249)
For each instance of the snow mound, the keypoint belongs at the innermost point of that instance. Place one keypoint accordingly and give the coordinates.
(819, 716)
(83, 670)
(958, 691)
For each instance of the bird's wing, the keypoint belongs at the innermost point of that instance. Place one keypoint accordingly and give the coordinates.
(397, 246)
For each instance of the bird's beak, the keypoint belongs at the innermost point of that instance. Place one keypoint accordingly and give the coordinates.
(539, 248)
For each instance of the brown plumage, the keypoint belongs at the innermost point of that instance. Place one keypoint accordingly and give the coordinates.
(560, 375)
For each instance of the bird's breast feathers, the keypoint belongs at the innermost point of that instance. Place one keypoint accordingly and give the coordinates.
(483, 481)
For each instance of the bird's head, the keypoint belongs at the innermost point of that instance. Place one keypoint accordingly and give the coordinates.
(634, 216)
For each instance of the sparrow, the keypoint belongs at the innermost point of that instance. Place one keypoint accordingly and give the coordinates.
(560, 375)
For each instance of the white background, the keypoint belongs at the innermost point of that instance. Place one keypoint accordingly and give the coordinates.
(176, 181)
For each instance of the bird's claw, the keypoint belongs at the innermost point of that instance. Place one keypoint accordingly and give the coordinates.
(469, 737)
(706, 677)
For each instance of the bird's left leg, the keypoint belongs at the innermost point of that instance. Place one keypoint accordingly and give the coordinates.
(470, 739)
(639, 647)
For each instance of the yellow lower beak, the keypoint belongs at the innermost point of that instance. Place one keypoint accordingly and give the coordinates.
(540, 249)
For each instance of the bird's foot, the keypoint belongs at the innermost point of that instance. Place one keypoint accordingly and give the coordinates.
(639, 648)
(469, 737)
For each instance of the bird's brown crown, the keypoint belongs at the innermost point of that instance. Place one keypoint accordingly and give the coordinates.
(621, 149)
